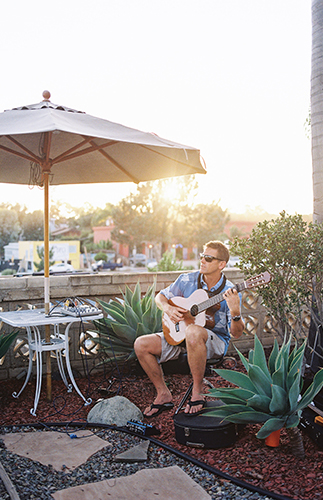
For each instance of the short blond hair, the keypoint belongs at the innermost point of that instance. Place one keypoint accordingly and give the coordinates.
(223, 252)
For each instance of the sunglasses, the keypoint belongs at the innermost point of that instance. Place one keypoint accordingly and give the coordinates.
(208, 258)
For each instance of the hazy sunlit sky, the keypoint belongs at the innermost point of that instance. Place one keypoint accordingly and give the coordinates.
(229, 77)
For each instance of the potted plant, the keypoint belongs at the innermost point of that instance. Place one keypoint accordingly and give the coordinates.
(269, 393)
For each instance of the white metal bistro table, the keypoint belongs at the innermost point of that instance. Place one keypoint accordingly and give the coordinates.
(59, 342)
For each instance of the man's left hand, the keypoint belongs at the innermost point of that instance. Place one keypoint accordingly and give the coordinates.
(233, 300)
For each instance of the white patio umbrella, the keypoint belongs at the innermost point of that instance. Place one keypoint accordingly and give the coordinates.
(45, 144)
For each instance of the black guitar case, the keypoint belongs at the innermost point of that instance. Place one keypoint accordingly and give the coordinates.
(202, 431)
(313, 430)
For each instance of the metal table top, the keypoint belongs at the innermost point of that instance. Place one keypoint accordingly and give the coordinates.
(37, 317)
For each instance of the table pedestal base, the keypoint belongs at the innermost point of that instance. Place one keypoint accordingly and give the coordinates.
(37, 345)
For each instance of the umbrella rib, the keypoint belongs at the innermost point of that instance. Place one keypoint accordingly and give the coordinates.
(168, 158)
(116, 164)
(94, 147)
(62, 156)
(32, 157)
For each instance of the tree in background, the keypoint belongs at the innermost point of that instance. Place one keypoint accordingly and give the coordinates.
(33, 226)
(143, 216)
(101, 215)
(129, 225)
(163, 212)
(73, 217)
(40, 252)
(103, 246)
(236, 232)
(80, 218)
(195, 225)
(9, 227)
(18, 224)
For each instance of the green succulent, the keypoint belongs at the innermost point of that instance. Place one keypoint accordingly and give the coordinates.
(6, 341)
(127, 319)
(268, 393)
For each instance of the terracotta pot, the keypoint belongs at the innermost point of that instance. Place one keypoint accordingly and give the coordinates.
(273, 439)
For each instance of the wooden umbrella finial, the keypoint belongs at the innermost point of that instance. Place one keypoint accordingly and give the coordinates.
(46, 95)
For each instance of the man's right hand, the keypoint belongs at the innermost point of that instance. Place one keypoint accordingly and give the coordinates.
(175, 313)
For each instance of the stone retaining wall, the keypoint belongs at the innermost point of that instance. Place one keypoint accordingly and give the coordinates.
(23, 291)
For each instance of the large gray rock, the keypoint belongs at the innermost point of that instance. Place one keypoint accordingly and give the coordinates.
(114, 411)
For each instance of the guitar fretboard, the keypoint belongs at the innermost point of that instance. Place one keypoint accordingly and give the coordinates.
(216, 299)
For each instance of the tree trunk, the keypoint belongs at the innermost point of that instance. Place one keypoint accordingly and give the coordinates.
(317, 108)
(296, 442)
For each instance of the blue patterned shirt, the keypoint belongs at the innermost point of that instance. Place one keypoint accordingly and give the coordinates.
(187, 283)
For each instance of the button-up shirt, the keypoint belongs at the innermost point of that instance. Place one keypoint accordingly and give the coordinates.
(187, 283)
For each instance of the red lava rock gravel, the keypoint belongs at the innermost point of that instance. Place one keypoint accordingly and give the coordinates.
(250, 460)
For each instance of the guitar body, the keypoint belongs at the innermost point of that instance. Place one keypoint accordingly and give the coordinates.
(175, 333)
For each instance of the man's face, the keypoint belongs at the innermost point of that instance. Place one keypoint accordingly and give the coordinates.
(210, 262)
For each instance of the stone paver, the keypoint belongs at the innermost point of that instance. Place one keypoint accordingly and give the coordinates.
(55, 448)
(169, 483)
(135, 454)
(62, 452)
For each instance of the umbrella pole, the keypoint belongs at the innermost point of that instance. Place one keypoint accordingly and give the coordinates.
(46, 281)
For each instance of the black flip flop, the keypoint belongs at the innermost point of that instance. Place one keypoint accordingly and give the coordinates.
(160, 408)
(196, 403)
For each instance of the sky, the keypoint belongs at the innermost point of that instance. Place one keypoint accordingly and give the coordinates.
(229, 77)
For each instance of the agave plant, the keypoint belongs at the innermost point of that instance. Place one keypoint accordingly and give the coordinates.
(127, 319)
(6, 341)
(269, 393)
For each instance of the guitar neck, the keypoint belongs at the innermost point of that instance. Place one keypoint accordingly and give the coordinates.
(212, 301)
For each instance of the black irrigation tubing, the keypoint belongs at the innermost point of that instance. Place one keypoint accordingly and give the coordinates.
(180, 454)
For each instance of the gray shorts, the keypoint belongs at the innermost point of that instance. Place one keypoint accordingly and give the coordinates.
(214, 347)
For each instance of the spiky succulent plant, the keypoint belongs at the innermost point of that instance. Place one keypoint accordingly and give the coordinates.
(6, 341)
(268, 393)
(126, 319)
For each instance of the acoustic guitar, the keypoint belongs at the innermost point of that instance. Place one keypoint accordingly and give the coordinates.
(200, 308)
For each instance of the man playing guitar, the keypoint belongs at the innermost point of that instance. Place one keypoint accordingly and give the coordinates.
(201, 343)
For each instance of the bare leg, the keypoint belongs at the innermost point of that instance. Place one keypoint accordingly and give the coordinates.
(196, 338)
(147, 347)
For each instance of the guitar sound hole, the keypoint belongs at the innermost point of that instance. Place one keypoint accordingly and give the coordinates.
(194, 310)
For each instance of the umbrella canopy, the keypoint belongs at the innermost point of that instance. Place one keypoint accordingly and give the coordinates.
(79, 148)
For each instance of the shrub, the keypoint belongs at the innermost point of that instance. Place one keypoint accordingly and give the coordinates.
(291, 251)
(8, 272)
(101, 256)
(167, 263)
